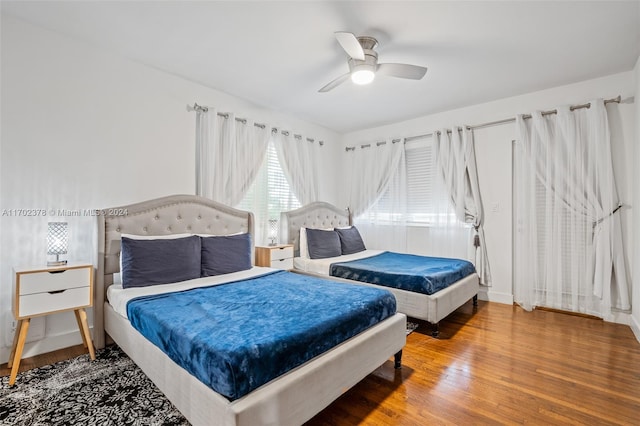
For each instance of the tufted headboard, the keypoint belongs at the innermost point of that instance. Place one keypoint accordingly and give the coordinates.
(175, 214)
(315, 215)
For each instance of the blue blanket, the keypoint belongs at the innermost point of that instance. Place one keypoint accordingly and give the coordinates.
(238, 336)
(419, 274)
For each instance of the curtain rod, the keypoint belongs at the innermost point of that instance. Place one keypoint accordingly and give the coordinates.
(616, 100)
(201, 108)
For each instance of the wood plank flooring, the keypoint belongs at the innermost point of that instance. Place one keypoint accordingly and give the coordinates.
(502, 365)
(495, 364)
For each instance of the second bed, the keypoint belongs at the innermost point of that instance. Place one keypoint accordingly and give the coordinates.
(411, 295)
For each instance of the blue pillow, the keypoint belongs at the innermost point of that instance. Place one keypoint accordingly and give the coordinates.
(350, 240)
(225, 254)
(159, 261)
(323, 244)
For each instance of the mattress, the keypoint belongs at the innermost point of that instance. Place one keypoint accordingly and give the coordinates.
(119, 297)
(236, 337)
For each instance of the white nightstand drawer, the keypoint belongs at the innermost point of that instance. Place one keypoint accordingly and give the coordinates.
(45, 281)
(42, 303)
(281, 253)
(40, 290)
(282, 263)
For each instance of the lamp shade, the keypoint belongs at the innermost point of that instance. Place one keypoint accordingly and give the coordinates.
(57, 238)
(273, 231)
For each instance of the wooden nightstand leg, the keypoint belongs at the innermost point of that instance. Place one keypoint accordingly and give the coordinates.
(21, 332)
(15, 344)
(80, 327)
(81, 316)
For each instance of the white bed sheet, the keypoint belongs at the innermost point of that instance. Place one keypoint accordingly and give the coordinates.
(323, 266)
(118, 297)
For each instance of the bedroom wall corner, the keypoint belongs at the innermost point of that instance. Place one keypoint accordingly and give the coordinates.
(83, 128)
(635, 208)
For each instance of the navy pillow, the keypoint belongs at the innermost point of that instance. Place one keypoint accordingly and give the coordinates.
(350, 240)
(225, 254)
(323, 244)
(161, 261)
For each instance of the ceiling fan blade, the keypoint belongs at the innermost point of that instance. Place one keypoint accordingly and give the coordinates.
(350, 44)
(334, 83)
(412, 72)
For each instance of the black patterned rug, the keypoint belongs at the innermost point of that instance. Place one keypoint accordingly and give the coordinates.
(411, 326)
(111, 390)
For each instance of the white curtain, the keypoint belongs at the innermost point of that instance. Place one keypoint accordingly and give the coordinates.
(229, 153)
(378, 194)
(568, 240)
(372, 168)
(298, 158)
(444, 235)
(456, 162)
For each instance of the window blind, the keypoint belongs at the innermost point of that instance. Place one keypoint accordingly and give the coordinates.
(269, 195)
(569, 250)
(427, 201)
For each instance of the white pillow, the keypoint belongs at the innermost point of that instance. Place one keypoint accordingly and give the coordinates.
(219, 235)
(304, 249)
(155, 237)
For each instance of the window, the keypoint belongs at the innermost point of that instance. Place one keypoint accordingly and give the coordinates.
(426, 200)
(564, 239)
(268, 196)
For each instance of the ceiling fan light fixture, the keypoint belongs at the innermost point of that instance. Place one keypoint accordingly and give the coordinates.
(362, 73)
(363, 63)
(363, 76)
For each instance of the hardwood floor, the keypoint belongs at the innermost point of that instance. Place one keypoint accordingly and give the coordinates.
(502, 365)
(495, 364)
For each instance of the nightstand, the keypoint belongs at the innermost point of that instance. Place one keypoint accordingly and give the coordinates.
(46, 290)
(279, 256)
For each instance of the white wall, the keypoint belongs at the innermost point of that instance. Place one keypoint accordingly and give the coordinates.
(635, 301)
(494, 151)
(84, 129)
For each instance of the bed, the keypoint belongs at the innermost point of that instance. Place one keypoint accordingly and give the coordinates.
(292, 397)
(429, 307)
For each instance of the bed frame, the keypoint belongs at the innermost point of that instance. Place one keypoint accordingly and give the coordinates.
(292, 398)
(431, 308)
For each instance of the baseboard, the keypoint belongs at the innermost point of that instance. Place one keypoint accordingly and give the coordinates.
(635, 327)
(619, 317)
(485, 293)
(48, 344)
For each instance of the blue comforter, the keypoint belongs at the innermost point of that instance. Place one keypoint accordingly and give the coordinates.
(419, 274)
(238, 336)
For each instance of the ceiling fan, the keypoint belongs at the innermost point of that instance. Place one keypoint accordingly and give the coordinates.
(363, 62)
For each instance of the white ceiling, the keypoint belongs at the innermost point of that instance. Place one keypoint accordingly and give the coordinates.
(279, 53)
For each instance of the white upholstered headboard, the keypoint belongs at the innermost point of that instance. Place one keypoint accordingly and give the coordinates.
(315, 215)
(175, 214)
